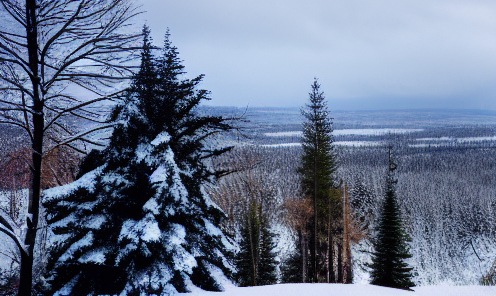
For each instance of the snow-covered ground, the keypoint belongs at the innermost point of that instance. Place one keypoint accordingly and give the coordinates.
(346, 290)
(337, 143)
(355, 132)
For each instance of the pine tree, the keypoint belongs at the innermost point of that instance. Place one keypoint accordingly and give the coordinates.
(267, 262)
(255, 261)
(291, 268)
(141, 222)
(318, 167)
(389, 268)
(248, 256)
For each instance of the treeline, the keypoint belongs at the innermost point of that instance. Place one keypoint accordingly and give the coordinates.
(277, 189)
(447, 197)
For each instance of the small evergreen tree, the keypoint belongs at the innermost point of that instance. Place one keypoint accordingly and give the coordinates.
(389, 268)
(248, 255)
(291, 269)
(255, 262)
(140, 223)
(267, 262)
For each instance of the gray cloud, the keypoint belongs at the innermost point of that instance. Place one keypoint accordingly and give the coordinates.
(367, 54)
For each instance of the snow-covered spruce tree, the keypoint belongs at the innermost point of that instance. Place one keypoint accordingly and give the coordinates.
(140, 223)
(389, 268)
(255, 262)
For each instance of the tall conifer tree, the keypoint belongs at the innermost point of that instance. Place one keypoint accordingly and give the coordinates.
(389, 268)
(140, 222)
(318, 167)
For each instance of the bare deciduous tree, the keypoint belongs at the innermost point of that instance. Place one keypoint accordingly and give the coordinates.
(59, 60)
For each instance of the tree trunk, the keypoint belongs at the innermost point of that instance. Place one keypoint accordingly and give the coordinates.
(348, 278)
(345, 232)
(26, 273)
(332, 273)
(314, 239)
(340, 264)
(303, 249)
(252, 249)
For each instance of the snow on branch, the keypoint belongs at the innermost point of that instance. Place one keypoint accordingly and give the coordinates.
(8, 229)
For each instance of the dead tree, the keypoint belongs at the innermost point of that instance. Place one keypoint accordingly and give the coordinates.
(59, 60)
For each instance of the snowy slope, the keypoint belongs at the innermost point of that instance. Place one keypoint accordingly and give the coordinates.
(347, 290)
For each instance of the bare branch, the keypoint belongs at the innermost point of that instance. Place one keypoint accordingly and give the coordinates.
(8, 229)
(81, 137)
(69, 110)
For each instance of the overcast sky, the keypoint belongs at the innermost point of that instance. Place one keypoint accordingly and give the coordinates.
(379, 54)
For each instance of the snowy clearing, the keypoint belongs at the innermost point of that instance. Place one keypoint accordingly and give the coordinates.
(463, 140)
(374, 131)
(347, 290)
(337, 143)
(284, 134)
(359, 143)
(356, 132)
(281, 145)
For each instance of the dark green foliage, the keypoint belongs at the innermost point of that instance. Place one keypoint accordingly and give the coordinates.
(319, 160)
(267, 263)
(247, 258)
(389, 268)
(317, 171)
(138, 221)
(90, 162)
(291, 268)
(255, 262)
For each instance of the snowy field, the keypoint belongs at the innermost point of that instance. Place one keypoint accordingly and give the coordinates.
(347, 290)
(337, 143)
(353, 132)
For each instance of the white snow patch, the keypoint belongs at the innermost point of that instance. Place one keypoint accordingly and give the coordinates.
(337, 143)
(146, 229)
(211, 228)
(87, 240)
(461, 140)
(113, 179)
(87, 181)
(346, 290)
(436, 139)
(175, 236)
(219, 276)
(284, 134)
(183, 260)
(93, 256)
(359, 143)
(282, 145)
(152, 206)
(95, 222)
(208, 200)
(163, 137)
(159, 175)
(356, 132)
(374, 131)
(143, 152)
(425, 145)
